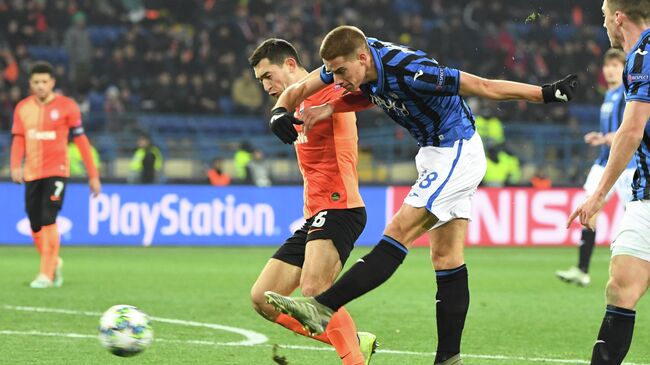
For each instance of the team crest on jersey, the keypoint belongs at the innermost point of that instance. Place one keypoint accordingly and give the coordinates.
(54, 115)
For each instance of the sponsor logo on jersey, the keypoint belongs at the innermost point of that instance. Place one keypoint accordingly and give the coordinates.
(336, 196)
(638, 77)
(389, 105)
(41, 135)
(302, 138)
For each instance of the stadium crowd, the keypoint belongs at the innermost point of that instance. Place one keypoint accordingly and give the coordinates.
(191, 56)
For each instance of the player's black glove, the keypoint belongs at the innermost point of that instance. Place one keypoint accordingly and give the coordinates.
(282, 125)
(560, 91)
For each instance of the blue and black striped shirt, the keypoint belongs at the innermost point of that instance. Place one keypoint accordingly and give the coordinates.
(611, 117)
(636, 78)
(417, 93)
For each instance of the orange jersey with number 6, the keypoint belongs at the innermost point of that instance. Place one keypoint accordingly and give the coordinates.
(327, 158)
(45, 128)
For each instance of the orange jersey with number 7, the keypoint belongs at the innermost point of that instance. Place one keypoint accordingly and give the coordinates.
(327, 158)
(45, 129)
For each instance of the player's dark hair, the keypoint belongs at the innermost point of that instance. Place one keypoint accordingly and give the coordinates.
(636, 10)
(276, 51)
(41, 67)
(342, 41)
(615, 54)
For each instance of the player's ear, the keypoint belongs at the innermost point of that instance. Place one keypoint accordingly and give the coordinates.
(291, 63)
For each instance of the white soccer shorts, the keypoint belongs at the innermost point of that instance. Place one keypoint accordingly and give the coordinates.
(448, 178)
(623, 186)
(633, 237)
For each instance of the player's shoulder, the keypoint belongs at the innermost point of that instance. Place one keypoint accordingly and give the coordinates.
(25, 101)
(67, 101)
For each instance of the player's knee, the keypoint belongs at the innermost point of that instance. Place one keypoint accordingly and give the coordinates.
(313, 287)
(259, 304)
(443, 259)
(621, 295)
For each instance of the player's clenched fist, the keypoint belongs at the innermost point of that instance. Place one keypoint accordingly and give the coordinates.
(282, 125)
(560, 91)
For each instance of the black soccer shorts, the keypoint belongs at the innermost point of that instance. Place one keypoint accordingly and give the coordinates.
(44, 200)
(342, 226)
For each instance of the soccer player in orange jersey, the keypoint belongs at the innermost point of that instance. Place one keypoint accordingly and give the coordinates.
(335, 215)
(40, 130)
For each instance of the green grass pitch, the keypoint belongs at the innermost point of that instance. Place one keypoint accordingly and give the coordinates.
(519, 313)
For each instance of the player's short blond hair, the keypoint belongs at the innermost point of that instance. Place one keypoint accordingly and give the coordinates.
(343, 41)
(615, 54)
(636, 10)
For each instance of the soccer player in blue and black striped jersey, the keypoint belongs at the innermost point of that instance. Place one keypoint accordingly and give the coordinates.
(426, 99)
(628, 27)
(611, 116)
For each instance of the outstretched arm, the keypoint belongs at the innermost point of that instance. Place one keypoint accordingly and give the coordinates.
(626, 141)
(292, 96)
(350, 102)
(501, 90)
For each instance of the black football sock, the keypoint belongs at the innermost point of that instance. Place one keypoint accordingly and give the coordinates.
(366, 274)
(586, 249)
(615, 336)
(452, 303)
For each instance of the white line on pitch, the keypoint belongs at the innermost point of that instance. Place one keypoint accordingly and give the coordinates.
(309, 348)
(255, 338)
(252, 338)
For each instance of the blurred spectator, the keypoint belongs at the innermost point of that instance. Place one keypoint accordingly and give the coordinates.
(541, 180)
(242, 157)
(80, 52)
(77, 167)
(490, 129)
(146, 163)
(503, 168)
(257, 170)
(113, 107)
(216, 175)
(246, 93)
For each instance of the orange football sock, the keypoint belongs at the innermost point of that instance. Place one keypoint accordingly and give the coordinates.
(293, 325)
(51, 242)
(343, 334)
(36, 236)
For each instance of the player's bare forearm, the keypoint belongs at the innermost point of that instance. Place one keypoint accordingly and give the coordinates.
(623, 147)
(293, 95)
(499, 90)
(351, 102)
(17, 155)
(86, 155)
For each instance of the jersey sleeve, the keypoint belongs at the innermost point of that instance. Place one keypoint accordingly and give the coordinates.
(435, 80)
(638, 78)
(326, 77)
(18, 127)
(74, 119)
(350, 102)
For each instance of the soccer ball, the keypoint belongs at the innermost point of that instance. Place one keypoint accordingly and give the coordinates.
(124, 330)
